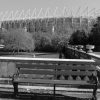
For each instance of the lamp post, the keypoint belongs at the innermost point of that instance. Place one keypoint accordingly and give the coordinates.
(53, 30)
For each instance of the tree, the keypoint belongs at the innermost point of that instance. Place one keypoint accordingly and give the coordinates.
(78, 38)
(42, 42)
(94, 37)
(18, 39)
(59, 41)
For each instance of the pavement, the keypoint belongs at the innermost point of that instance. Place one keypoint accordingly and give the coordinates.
(71, 92)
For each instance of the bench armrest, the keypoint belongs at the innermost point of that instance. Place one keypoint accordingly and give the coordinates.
(16, 74)
(94, 78)
(98, 73)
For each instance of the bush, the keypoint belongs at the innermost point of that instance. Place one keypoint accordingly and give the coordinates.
(79, 38)
(47, 42)
(59, 41)
(18, 39)
(94, 36)
(54, 42)
(42, 42)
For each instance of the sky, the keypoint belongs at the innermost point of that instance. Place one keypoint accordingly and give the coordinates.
(56, 7)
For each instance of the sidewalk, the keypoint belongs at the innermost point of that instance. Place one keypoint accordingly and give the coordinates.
(73, 92)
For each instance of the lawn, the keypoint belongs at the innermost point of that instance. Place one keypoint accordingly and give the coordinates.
(35, 55)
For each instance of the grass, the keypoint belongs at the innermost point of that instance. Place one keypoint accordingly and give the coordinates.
(37, 55)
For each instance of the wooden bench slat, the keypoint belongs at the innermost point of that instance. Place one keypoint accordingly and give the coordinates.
(52, 66)
(38, 66)
(78, 73)
(52, 72)
(58, 82)
(43, 72)
(79, 67)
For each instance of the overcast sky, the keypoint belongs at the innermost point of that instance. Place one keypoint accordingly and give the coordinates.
(73, 6)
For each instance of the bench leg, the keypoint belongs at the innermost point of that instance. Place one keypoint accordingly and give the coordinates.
(15, 85)
(54, 89)
(95, 93)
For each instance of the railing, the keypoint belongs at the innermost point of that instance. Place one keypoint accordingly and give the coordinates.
(8, 64)
(94, 56)
(73, 53)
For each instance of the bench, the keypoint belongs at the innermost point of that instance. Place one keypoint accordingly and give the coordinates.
(56, 72)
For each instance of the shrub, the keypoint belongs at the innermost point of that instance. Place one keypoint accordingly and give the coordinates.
(59, 41)
(94, 36)
(78, 38)
(49, 43)
(18, 39)
(55, 41)
(42, 42)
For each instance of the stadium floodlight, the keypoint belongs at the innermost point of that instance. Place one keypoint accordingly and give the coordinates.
(55, 12)
(21, 15)
(78, 12)
(10, 16)
(71, 13)
(4, 16)
(15, 15)
(1, 14)
(38, 16)
(85, 11)
(47, 13)
(92, 13)
(27, 14)
(65, 12)
(97, 13)
(33, 13)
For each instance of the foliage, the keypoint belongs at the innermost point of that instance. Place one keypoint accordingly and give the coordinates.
(55, 41)
(18, 39)
(49, 42)
(79, 38)
(94, 37)
(42, 42)
(59, 41)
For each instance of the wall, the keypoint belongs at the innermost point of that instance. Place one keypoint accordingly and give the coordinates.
(7, 69)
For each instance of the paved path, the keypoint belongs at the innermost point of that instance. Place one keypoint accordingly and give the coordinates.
(73, 92)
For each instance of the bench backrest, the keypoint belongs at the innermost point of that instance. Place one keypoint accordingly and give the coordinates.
(58, 69)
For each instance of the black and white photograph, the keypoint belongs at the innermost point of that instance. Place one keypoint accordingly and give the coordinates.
(49, 49)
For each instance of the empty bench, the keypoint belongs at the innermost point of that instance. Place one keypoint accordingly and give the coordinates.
(55, 72)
